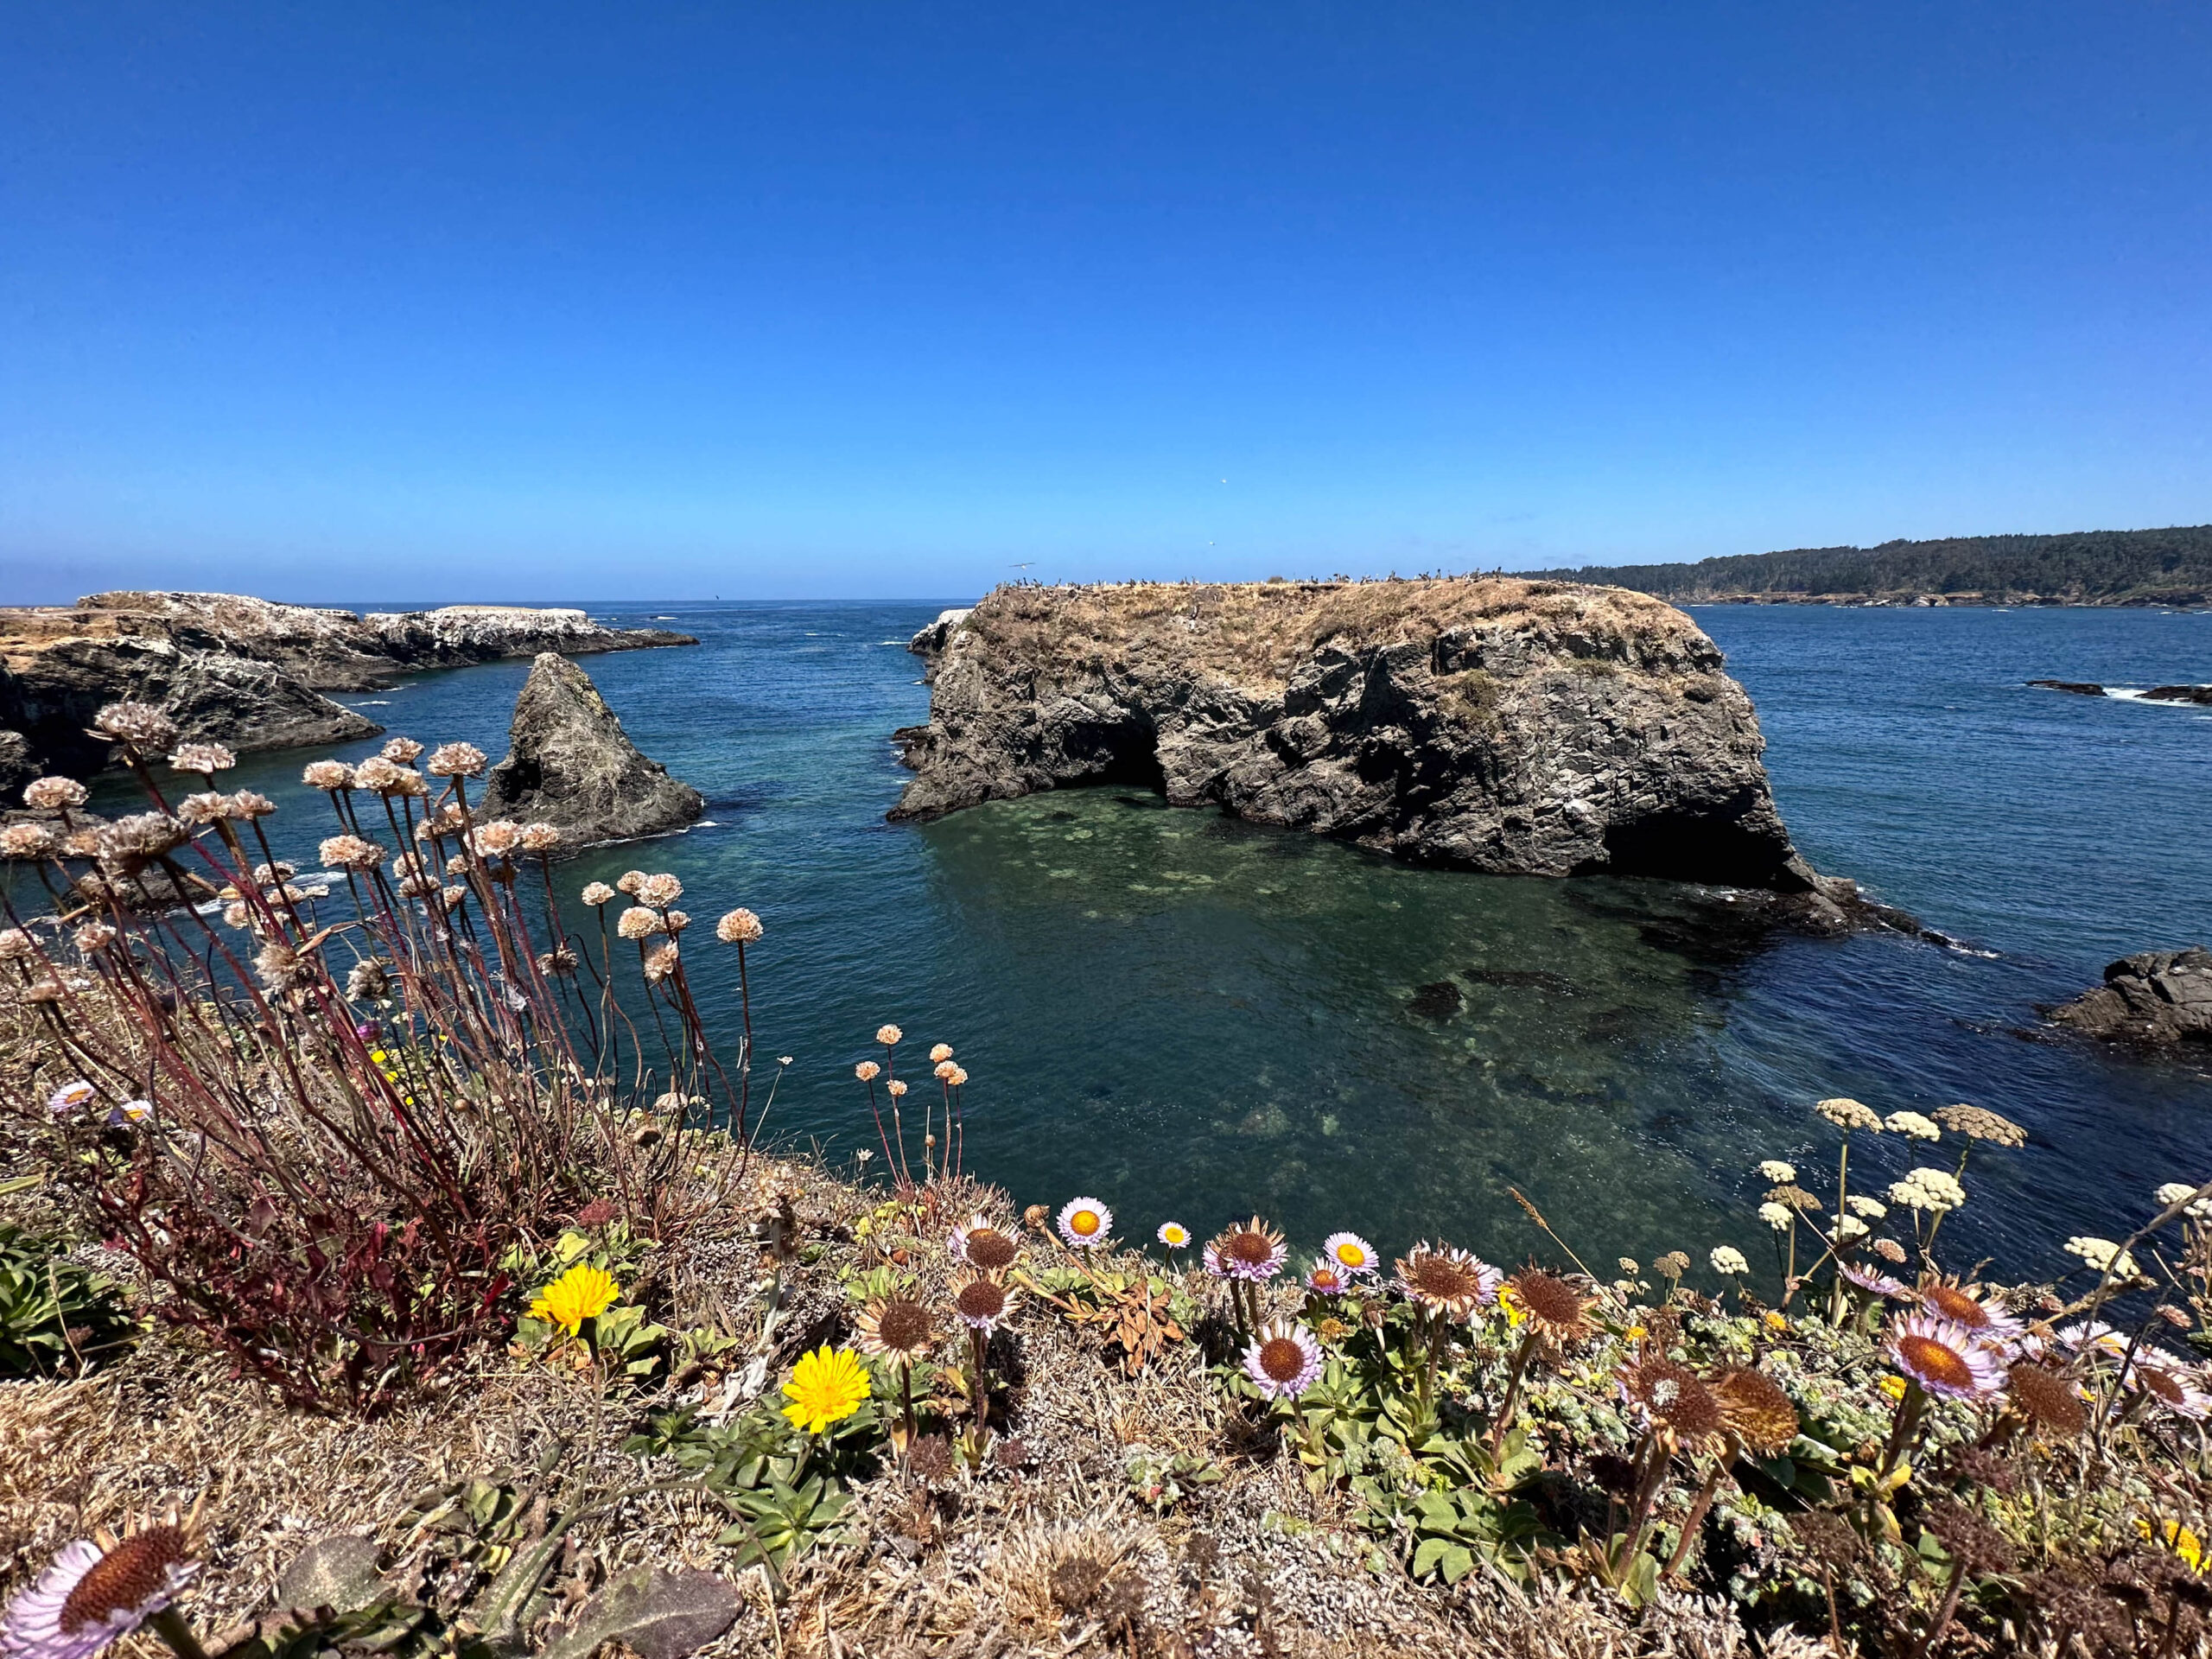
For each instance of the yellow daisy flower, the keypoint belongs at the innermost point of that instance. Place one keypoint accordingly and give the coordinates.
(582, 1293)
(827, 1386)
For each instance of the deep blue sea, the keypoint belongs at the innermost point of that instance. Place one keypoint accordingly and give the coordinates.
(1192, 1017)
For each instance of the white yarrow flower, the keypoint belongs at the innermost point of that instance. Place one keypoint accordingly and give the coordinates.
(2102, 1254)
(1913, 1125)
(1776, 1215)
(1727, 1259)
(1774, 1169)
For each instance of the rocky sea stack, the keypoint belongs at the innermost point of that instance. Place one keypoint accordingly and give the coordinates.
(242, 671)
(1493, 724)
(571, 765)
(2155, 998)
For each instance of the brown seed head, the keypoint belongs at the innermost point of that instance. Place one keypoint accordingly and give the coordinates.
(1556, 1306)
(991, 1249)
(133, 1573)
(1977, 1123)
(1755, 1409)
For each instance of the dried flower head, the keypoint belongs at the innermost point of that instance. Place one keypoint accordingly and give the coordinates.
(740, 926)
(1672, 1265)
(1255, 1252)
(1942, 1358)
(1448, 1280)
(1283, 1361)
(943, 1070)
(349, 853)
(128, 845)
(596, 893)
(1890, 1250)
(1977, 1124)
(206, 758)
(930, 1457)
(137, 726)
(940, 1052)
(1084, 1223)
(53, 794)
(639, 923)
(2046, 1399)
(207, 806)
(629, 882)
(497, 838)
(456, 761)
(369, 981)
(540, 839)
(2173, 1385)
(1675, 1401)
(660, 891)
(900, 1327)
(1848, 1114)
(29, 841)
(661, 964)
(404, 750)
(868, 1071)
(1975, 1316)
(249, 806)
(980, 1244)
(1755, 1409)
(897, 1087)
(96, 1592)
(888, 1035)
(982, 1301)
(558, 963)
(1560, 1311)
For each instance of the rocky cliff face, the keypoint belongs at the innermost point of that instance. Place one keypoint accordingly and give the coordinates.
(572, 765)
(240, 670)
(1499, 725)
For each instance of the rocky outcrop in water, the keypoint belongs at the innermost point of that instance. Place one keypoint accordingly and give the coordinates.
(2157, 998)
(244, 672)
(1515, 727)
(572, 765)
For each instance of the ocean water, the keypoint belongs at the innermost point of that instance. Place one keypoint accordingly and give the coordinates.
(1195, 1018)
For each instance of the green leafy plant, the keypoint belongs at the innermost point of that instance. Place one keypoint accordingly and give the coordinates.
(1163, 1480)
(55, 1315)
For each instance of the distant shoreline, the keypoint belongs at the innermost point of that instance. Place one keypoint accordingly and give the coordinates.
(1944, 601)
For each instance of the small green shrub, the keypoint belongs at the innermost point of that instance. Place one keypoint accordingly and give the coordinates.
(56, 1316)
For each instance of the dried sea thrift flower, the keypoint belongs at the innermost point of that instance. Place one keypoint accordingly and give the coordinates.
(137, 726)
(539, 839)
(456, 761)
(206, 758)
(661, 964)
(596, 893)
(1284, 1360)
(498, 838)
(676, 920)
(1448, 1280)
(16, 945)
(943, 1070)
(248, 805)
(1977, 1124)
(282, 967)
(404, 750)
(629, 882)
(53, 794)
(1848, 1114)
(639, 923)
(868, 1071)
(328, 775)
(376, 773)
(29, 841)
(660, 891)
(92, 938)
(739, 927)
(888, 1035)
(128, 845)
(209, 806)
(558, 963)
(349, 853)
(369, 981)
(940, 1052)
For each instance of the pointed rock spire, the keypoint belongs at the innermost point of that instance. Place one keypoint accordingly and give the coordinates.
(570, 763)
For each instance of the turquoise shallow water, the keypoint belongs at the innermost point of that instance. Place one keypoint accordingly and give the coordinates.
(1190, 1017)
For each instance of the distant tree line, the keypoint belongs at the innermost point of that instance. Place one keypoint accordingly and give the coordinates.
(2097, 565)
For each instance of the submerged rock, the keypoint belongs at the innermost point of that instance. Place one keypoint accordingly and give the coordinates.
(244, 672)
(2155, 997)
(570, 763)
(1524, 728)
(2079, 688)
(2202, 694)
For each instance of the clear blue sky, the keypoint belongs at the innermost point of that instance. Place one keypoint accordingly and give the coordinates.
(823, 299)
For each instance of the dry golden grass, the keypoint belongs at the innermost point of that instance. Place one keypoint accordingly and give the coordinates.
(1255, 632)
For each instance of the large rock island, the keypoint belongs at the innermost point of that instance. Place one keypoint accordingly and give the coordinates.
(242, 671)
(1494, 724)
(572, 766)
